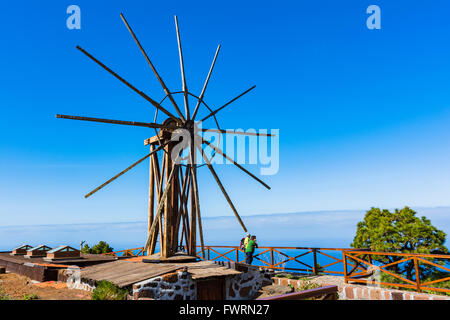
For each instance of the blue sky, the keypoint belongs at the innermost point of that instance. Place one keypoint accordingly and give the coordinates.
(364, 115)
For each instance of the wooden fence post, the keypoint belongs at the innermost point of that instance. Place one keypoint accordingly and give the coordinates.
(315, 271)
(416, 267)
(344, 262)
(272, 262)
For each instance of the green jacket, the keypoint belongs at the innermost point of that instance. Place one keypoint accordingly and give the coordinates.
(251, 245)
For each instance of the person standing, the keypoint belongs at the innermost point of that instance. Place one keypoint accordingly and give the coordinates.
(250, 249)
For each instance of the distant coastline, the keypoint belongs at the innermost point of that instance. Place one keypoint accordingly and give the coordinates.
(333, 228)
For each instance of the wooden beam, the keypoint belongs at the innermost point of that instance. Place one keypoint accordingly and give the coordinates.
(166, 90)
(146, 97)
(213, 172)
(219, 151)
(160, 203)
(151, 198)
(183, 75)
(226, 104)
(200, 97)
(123, 172)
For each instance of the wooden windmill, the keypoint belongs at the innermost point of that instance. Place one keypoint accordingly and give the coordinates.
(174, 207)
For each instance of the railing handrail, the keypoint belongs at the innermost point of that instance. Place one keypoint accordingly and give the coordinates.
(401, 254)
(355, 267)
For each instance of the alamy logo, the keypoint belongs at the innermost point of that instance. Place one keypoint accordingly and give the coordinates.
(374, 20)
(74, 20)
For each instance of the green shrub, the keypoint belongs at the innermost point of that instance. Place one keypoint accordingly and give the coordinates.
(30, 296)
(99, 248)
(106, 290)
(4, 296)
(306, 285)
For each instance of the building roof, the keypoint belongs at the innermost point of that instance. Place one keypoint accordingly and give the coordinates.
(41, 246)
(59, 248)
(24, 246)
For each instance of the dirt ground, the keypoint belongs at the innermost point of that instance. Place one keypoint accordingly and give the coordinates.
(16, 286)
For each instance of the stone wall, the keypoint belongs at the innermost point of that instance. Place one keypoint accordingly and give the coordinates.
(246, 285)
(73, 279)
(360, 292)
(171, 286)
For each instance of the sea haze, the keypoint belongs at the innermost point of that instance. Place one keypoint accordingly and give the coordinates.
(319, 228)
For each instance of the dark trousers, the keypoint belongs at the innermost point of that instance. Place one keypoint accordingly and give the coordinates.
(248, 257)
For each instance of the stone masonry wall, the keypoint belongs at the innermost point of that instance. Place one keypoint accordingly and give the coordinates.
(359, 292)
(244, 286)
(171, 286)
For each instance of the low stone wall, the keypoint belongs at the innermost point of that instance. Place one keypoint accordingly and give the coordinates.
(171, 286)
(360, 292)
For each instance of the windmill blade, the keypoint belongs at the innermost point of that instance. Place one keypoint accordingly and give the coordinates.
(200, 98)
(218, 150)
(161, 204)
(232, 100)
(183, 76)
(166, 90)
(153, 102)
(124, 171)
(213, 172)
(128, 123)
(238, 132)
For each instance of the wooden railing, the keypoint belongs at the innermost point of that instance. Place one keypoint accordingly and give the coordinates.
(355, 265)
(135, 252)
(269, 257)
(276, 258)
(322, 293)
(364, 260)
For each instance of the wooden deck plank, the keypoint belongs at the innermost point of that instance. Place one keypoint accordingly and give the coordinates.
(123, 272)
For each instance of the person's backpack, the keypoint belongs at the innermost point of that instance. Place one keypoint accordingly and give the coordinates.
(242, 244)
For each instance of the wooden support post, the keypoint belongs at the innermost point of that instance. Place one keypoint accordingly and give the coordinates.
(158, 173)
(272, 262)
(167, 247)
(344, 262)
(315, 271)
(151, 198)
(193, 224)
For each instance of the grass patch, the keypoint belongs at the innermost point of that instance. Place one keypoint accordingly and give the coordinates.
(4, 296)
(31, 296)
(106, 290)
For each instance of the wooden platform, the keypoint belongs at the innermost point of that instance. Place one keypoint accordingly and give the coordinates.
(129, 271)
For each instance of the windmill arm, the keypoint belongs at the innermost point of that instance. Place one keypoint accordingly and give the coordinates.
(153, 102)
(124, 171)
(232, 100)
(218, 150)
(213, 172)
(238, 132)
(200, 98)
(166, 90)
(129, 123)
